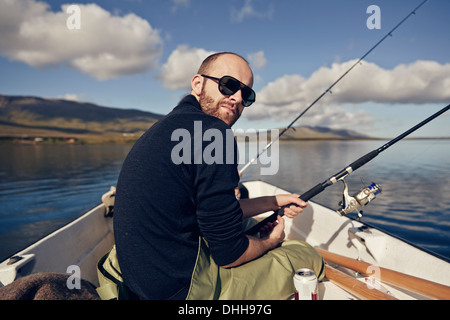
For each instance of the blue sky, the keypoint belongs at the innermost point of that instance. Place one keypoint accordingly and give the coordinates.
(141, 54)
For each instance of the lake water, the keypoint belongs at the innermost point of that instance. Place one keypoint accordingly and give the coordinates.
(43, 187)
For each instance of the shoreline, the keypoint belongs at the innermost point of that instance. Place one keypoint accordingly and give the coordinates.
(127, 140)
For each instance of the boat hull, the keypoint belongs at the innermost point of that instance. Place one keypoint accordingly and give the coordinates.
(84, 241)
(80, 243)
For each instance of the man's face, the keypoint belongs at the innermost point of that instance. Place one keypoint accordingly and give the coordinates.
(227, 108)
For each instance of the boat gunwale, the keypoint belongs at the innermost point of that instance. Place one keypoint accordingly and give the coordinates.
(369, 225)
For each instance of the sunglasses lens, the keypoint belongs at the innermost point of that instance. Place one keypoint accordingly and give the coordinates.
(248, 96)
(229, 85)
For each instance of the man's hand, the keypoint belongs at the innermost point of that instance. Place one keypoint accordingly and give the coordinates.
(258, 246)
(255, 206)
(286, 199)
(274, 230)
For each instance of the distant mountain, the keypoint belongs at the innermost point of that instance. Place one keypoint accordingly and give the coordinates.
(35, 119)
(307, 132)
(22, 116)
(310, 133)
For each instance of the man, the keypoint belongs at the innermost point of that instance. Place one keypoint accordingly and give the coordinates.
(178, 225)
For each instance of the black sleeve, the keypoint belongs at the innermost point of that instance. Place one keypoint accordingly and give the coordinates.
(219, 214)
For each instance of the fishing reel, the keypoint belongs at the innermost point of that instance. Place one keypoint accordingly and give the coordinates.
(360, 199)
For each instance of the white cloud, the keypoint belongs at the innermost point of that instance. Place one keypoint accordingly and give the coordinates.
(417, 83)
(179, 4)
(106, 46)
(249, 11)
(181, 66)
(257, 60)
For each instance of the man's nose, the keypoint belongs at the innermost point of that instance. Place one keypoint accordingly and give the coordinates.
(237, 97)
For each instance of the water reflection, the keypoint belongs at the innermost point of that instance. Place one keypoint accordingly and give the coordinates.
(413, 175)
(43, 187)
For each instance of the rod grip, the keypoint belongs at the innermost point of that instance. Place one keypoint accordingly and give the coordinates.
(305, 197)
(255, 229)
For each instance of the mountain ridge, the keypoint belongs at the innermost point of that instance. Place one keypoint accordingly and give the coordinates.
(30, 116)
(38, 119)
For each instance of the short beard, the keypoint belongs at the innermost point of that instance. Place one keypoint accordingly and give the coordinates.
(209, 106)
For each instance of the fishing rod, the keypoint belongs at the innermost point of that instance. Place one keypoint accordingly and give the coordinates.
(362, 198)
(331, 87)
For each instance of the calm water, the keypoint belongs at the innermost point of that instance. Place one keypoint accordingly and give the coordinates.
(43, 187)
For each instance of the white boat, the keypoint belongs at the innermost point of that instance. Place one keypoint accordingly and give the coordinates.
(84, 241)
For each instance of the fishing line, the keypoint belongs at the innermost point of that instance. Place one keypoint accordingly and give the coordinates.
(389, 34)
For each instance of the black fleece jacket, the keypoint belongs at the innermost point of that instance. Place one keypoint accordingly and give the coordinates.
(177, 184)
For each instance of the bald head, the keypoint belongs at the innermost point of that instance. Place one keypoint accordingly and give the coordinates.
(208, 63)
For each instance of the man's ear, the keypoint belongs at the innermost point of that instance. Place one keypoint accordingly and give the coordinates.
(196, 85)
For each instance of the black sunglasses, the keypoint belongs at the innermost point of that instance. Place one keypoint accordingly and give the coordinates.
(229, 86)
